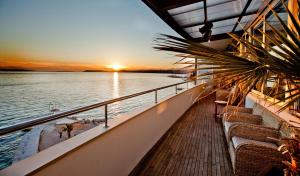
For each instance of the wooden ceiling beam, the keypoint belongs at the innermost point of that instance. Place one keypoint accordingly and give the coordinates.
(242, 14)
(219, 36)
(167, 18)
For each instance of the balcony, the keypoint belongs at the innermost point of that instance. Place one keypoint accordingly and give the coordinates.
(175, 136)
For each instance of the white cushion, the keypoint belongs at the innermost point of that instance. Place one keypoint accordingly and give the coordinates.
(227, 126)
(236, 141)
(232, 155)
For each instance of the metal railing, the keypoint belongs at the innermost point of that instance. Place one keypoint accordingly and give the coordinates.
(38, 121)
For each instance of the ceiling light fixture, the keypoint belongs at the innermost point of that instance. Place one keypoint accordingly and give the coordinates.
(206, 31)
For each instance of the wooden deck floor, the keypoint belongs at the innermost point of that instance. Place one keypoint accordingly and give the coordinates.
(195, 145)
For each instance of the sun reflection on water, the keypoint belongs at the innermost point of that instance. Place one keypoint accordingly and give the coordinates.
(116, 86)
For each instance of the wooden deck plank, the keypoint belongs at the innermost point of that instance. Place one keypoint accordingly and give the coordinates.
(197, 148)
(194, 145)
(202, 144)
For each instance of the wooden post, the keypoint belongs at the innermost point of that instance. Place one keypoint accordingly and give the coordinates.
(264, 30)
(245, 49)
(250, 33)
(293, 6)
(263, 45)
(241, 48)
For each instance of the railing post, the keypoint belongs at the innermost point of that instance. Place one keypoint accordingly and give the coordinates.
(106, 114)
(175, 89)
(196, 70)
(155, 96)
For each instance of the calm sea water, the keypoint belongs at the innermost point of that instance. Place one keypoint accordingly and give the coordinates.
(27, 95)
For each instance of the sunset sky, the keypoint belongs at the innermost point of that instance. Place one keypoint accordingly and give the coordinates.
(79, 35)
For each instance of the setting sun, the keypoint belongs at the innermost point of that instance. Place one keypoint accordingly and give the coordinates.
(115, 67)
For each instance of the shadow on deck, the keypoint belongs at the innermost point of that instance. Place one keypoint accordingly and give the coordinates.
(195, 145)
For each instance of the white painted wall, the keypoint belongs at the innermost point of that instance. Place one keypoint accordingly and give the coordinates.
(114, 151)
(270, 113)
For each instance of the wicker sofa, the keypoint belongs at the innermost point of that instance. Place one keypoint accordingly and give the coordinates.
(240, 115)
(250, 141)
(235, 114)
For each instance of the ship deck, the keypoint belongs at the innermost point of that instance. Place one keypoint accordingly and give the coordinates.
(195, 145)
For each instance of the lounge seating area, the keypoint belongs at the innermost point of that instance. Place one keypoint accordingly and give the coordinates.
(252, 139)
(251, 145)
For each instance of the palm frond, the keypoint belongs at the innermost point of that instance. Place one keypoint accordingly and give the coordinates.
(250, 70)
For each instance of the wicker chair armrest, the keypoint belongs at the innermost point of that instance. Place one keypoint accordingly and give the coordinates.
(243, 117)
(239, 142)
(252, 131)
(251, 158)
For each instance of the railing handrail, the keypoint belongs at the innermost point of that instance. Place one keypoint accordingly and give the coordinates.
(38, 121)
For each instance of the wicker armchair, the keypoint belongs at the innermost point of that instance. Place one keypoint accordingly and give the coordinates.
(239, 114)
(242, 117)
(250, 149)
(234, 119)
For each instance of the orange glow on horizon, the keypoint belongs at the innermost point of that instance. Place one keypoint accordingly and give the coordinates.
(48, 65)
(45, 65)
